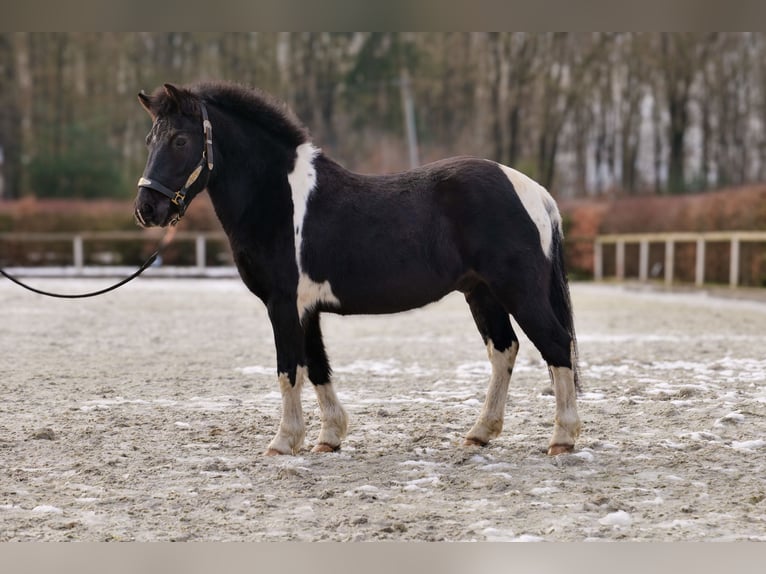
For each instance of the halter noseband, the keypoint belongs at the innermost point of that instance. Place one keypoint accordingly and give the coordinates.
(178, 198)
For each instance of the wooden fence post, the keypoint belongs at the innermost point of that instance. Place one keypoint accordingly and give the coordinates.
(619, 255)
(734, 262)
(699, 271)
(598, 260)
(200, 251)
(78, 253)
(643, 260)
(669, 261)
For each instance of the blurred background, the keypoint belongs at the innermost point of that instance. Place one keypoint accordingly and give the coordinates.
(631, 132)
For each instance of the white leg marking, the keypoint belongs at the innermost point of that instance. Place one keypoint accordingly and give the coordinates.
(302, 182)
(566, 426)
(490, 421)
(292, 428)
(334, 419)
(539, 204)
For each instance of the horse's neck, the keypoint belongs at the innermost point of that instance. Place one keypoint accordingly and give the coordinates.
(245, 191)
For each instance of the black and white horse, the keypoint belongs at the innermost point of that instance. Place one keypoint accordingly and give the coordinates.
(309, 237)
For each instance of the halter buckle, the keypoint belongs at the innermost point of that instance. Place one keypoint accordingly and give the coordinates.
(179, 198)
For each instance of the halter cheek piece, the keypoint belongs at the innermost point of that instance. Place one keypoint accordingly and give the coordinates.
(178, 198)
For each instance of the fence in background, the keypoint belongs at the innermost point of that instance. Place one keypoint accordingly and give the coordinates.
(95, 253)
(735, 239)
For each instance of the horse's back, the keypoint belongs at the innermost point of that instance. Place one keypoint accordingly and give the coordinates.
(495, 208)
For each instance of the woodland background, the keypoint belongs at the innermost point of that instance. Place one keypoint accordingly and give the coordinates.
(585, 114)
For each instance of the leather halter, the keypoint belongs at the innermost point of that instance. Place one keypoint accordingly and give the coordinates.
(178, 198)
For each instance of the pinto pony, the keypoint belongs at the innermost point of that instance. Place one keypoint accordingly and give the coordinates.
(309, 237)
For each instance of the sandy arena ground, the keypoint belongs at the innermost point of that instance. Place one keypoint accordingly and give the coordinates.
(142, 415)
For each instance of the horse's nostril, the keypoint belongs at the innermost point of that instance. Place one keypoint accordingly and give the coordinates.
(147, 209)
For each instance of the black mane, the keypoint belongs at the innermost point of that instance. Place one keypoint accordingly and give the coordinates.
(245, 103)
(254, 105)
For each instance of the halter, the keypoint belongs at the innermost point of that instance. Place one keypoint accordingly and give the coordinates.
(178, 198)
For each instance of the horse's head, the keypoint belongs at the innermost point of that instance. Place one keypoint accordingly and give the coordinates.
(180, 155)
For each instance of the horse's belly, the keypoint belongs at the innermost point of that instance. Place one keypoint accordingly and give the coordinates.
(390, 295)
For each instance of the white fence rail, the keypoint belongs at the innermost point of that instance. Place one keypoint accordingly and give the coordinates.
(81, 242)
(670, 240)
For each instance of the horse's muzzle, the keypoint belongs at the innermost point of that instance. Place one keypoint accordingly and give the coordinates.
(151, 209)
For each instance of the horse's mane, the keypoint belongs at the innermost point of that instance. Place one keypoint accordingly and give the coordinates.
(249, 104)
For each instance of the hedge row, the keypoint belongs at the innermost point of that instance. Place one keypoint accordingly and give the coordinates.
(730, 209)
(736, 209)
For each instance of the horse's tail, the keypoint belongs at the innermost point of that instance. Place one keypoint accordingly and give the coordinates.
(559, 287)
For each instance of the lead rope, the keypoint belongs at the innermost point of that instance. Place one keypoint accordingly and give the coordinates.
(163, 243)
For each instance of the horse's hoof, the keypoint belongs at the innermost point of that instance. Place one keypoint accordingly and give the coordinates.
(470, 441)
(324, 447)
(556, 449)
(274, 452)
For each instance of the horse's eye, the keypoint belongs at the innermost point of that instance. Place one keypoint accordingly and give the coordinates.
(180, 141)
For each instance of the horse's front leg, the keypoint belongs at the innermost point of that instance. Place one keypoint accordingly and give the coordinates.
(291, 372)
(333, 415)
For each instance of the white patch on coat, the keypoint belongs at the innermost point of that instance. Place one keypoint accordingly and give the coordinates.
(566, 426)
(333, 416)
(490, 421)
(310, 293)
(302, 182)
(292, 428)
(539, 204)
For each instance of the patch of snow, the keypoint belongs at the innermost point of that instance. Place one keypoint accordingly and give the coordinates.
(472, 370)
(497, 535)
(676, 524)
(478, 459)
(543, 490)
(619, 519)
(528, 538)
(585, 455)
(701, 436)
(367, 488)
(496, 466)
(731, 418)
(420, 463)
(420, 483)
(748, 444)
(47, 509)
(258, 370)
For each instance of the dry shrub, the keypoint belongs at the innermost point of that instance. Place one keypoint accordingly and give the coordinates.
(71, 215)
(733, 209)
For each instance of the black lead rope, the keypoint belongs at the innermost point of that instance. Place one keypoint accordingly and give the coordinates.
(178, 198)
(138, 272)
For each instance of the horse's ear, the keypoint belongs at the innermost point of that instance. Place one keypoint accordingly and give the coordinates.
(174, 93)
(146, 102)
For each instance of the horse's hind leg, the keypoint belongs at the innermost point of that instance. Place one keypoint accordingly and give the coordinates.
(495, 328)
(530, 306)
(333, 416)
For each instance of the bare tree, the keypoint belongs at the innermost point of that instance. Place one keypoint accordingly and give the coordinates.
(566, 62)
